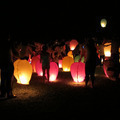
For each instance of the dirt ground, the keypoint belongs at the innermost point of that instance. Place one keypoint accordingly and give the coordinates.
(63, 96)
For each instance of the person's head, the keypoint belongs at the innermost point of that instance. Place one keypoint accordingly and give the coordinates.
(44, 48)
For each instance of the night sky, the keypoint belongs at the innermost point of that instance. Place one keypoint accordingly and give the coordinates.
(56, 20)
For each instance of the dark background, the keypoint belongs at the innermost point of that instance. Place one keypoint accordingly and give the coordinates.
(50, 20)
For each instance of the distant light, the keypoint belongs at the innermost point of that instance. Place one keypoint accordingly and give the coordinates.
(103, 23)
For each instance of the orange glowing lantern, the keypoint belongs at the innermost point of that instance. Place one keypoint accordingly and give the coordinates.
(78, 71)
(70, 54)
(73, 44)
(66, 63)
(107, 50)
(22, 71)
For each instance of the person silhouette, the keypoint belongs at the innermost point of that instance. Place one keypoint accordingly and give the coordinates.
(45, 59)
(90, 61)
(7, 68)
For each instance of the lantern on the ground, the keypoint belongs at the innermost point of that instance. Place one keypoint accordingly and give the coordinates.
(34, 61)
(78, 71)
(60, 63)
(73, 44)
(107, 49)
(22, 71)
(53, 71)
(66, 63)
(38, 67)
(103, 23)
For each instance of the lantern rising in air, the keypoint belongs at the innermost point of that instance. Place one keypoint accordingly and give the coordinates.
(22, 71)
(73, 44)
(103, 23)
(78, 71)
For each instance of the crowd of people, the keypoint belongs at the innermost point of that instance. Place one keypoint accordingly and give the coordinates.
(24, 50)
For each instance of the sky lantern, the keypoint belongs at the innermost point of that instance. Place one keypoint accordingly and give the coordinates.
(66, 63)
(53, 72)
(103, 23)
(22, 71)
(107, 50)
(77, 58)
(60, 63)
(73, 44)
(34, 61)
(78, 71)
(70, 54)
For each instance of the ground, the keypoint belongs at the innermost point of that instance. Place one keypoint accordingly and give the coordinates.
(64, 96)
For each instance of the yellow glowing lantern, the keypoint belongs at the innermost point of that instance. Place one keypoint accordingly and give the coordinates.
(66, 63)
(73, 44)
(107, 50)
(22, 71)
(70, 54)
(103, 23)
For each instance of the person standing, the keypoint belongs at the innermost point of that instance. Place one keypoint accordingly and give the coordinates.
(45, 59)
(6, 65)
(90, 61)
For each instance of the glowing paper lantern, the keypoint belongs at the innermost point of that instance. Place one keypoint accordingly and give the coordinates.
(66, 63)
(38, 67)
(77, 58)
(53, 72)
(60, 63)
(34, 61)
(107, 50)
(70, 54)
(22, 71)
(78, 71)
(73, 44)
(108, 64)
(103, 23)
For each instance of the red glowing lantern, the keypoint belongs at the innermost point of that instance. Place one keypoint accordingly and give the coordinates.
(73, 44)
(34, 61)
(53, 72)
(60, 63)
(78, 71)
(66, 63)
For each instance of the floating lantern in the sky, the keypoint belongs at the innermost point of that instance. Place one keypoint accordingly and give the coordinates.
(107, 49)
(73, 44)
(66, 63)
(22, 71)
(78, 71)
(103, 23)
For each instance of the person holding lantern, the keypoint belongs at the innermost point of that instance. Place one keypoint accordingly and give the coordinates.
(90, 61)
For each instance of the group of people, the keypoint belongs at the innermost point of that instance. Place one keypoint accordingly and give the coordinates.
(7, 68)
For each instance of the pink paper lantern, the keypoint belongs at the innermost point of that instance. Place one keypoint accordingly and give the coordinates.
(60, 63)
(78, 71)
(53, 72)
(34, 61)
